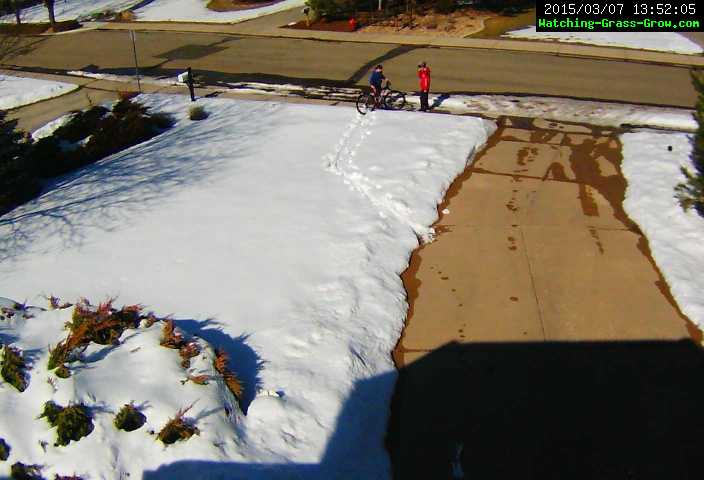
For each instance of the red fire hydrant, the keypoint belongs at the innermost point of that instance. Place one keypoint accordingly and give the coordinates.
(353, 24)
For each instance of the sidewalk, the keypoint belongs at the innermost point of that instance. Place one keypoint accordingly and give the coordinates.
(271, 26)
(96, 91)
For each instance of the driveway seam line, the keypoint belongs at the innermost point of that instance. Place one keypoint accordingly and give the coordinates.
(532, 283)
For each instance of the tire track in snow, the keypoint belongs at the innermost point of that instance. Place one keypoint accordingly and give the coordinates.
(342, 162)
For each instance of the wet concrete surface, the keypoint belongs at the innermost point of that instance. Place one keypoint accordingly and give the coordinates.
(537, 246)
(537, 259)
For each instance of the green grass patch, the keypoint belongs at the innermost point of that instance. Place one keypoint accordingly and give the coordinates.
(129, 418)
(72, 423)
(20, 471)
(13, 368)
(198, 113)
(4, 450)
(62, 371)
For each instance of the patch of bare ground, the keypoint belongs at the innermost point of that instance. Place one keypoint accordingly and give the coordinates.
(323, 24)
(496, 26)
(234, 5)
(37, 28)
(428, 21)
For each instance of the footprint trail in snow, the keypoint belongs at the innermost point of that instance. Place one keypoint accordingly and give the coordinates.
(342, 162)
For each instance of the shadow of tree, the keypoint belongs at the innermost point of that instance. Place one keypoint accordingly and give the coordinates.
(12, 46)
(437, 101)
(111, 191)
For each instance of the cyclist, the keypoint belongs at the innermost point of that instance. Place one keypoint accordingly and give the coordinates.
(375, 81)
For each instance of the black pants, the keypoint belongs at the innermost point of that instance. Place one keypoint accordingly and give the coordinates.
(424, 101)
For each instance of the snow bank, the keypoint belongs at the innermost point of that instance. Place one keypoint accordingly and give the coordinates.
(676, 237)
(165, 81)
(564, 109)
(70, 9)
(657, 41)
(196, 11)
(18, 91)
(276, 231)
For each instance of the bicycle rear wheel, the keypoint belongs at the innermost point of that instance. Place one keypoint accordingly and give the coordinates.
(395, 100)
(365, 103)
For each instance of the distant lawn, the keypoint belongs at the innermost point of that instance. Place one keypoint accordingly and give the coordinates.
(234, 5)
(497, 26)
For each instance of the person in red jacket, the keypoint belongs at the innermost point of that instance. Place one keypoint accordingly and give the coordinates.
(424, 79)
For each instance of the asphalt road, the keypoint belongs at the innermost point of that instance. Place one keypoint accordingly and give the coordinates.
(226, 58)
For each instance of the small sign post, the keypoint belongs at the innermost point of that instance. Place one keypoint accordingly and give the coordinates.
(136, 65)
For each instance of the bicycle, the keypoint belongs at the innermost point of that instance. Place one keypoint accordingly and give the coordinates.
(388, 99)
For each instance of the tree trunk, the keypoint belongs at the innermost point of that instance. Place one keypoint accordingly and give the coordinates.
(50, 7)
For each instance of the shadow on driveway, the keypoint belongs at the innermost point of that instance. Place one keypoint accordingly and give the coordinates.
(607, 410)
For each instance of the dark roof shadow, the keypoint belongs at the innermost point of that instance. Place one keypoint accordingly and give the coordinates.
(601, 410)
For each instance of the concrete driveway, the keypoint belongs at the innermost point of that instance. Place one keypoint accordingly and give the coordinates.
(542, 341)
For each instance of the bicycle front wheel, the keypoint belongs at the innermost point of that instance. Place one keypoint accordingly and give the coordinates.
(395, 100)
(365, 103)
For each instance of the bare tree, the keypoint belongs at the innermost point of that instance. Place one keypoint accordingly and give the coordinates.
(13, 6)
(49, 4)
(17, 4)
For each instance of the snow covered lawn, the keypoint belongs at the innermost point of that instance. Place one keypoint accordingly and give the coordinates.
(196, 11)
(565, 109)
(71, 9)
(658, 41)
(154, 11)
(18, 91)
(676, 238)
(275, 231)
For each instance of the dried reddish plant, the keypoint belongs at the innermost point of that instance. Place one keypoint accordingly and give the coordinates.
(170, 337)
(231, 381)
(188, 351)
(234, 385)
(177, 428)
(124, 95)
(103, 325)
(104, 308)
(14, 368)
(197, 379)
(220, 363)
